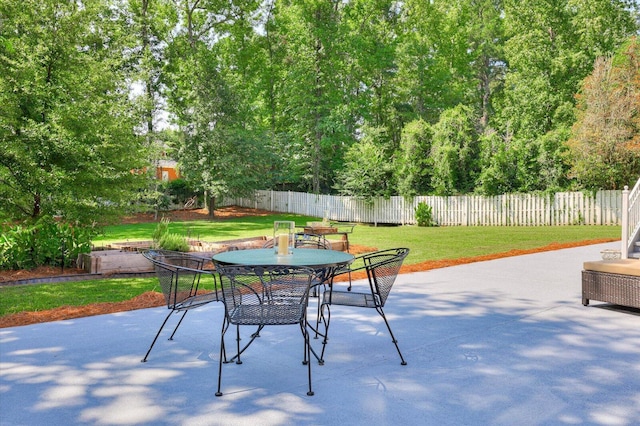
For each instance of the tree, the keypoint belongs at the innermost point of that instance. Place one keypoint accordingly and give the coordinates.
(550, 48)
(305, 101)
(67, 145)
(414, 164)
(221, 152)
(605, 140)
(454, 152)
(368, 171)
(498, 165)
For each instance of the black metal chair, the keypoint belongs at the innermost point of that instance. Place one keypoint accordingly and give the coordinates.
(317, 241)
(382, 268)
(303, 240)
(261, 296)
(179, 275)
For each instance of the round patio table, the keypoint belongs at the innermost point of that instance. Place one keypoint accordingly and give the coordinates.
(312, 258)
(324, 262)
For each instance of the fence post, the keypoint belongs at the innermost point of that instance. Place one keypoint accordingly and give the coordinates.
(625, 223)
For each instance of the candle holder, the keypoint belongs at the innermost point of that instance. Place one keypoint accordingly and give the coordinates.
(283, 237)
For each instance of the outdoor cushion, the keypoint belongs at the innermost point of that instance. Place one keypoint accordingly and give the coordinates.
(617, 266)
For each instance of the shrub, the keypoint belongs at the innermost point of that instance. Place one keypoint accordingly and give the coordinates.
(161, 229)
(166, 240)
(47, 242)
(175, 242)
(180, 191)
(424, 214)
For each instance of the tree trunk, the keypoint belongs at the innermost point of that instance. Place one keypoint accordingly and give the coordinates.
(36, 206)
(212, 206)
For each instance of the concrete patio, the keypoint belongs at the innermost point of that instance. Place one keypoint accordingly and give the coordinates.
(502, 342)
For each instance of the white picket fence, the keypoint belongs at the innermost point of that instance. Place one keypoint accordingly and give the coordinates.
(563, 208)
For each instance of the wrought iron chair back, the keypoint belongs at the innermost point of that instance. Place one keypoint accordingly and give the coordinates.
(316, 241)
(179, 276)
(263, 296)
(382, 268)
(303, 240)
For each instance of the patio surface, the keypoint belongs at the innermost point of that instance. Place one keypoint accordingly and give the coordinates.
(502, 342)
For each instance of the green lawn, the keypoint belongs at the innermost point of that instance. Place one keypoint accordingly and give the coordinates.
(425, 244)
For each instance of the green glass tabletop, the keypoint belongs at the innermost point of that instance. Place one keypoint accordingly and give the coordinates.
(313, 258)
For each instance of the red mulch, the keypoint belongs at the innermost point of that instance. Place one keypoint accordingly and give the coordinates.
(153, 299)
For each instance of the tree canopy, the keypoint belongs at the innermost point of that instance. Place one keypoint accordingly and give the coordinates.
(67, 142)
(365, 97)
(605, 142)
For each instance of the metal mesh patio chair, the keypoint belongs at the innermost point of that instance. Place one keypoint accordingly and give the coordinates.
(317, 241)
(264, 296)
(303, 240)
(382, 268)
(179, 275)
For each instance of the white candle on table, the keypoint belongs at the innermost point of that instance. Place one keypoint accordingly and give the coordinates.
(283, 244)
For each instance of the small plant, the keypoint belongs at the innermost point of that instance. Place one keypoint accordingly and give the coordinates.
(174, 242)
(161, 229)
(424, 214)
(166, 240)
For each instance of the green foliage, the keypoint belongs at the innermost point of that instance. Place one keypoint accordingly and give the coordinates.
(47, 242)
(424, 214)
(162, 228)
(67, 145)
(180, 191)
(283, 94)
(368, 169)
(166, 240)
(550, 48)
(498, 166)
(172, 241)
(605, 143)
(455, 152)
(414, 164)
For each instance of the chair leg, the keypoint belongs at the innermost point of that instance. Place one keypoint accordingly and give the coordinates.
(326, 319)
(318, 314)
(393, 338)
(223, 353)
(239, 351)
(156, 338)
(310, 393)
(179, 322)
(238, 361)
(307, 353)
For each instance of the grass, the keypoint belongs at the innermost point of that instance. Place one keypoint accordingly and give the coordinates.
(76, 293)
(461, 241)
(214, 230)
(425, 243)
(47, 296)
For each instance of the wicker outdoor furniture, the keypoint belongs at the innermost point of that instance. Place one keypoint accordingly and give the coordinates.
(179, 276)
(612, 281)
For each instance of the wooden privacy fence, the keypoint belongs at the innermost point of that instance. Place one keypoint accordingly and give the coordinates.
(562, 208)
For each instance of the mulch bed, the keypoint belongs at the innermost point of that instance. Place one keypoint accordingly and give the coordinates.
(154, 299)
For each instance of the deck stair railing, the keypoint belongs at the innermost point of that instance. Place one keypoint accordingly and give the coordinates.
(630, 220)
